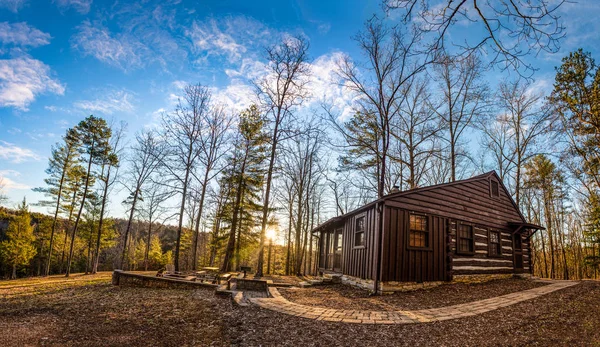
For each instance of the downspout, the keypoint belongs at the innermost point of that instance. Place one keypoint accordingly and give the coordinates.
(380, 207)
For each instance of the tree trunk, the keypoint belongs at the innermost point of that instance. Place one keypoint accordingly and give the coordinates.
(263, 230)
(128, 228)
(182, 208)
(85, 190)
(229, 251)
(101, 221)
(149, 239)
(197, 230)
(60, 187)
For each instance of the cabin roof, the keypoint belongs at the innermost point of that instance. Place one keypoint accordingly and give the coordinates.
(487, 175)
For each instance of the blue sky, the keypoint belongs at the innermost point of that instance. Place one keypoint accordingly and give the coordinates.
(62, 60)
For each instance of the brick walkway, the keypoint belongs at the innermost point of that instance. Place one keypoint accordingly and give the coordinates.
(280, 304)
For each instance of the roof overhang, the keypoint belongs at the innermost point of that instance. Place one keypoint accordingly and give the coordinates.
(330, 222)
(532, 228)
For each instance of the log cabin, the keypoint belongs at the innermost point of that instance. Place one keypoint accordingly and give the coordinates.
(428, 234)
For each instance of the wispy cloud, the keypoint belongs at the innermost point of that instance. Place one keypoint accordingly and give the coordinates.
(21, 34)
(8, 184)
(109, 103)
(22, 79)
(14, 131)
(81, 6)
(12, 5)
(116, 50)
(230, 37)
(16, 154)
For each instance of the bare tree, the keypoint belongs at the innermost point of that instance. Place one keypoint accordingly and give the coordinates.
(508, 31)
(213, 145)
(414, 131)
(513, 134)
(183, 129)
(464, 96)
(147, 154)
(378, 84)
(300, 165)
(153, 210)
(280, 92)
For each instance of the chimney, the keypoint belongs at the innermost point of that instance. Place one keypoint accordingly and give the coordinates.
(395, 189)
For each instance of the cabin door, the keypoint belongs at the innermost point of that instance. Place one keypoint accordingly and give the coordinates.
(337, 257)
(518, 252)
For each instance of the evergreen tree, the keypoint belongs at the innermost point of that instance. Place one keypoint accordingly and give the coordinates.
(245, 176)
(93, 134)
(63, 158)
(18, 248)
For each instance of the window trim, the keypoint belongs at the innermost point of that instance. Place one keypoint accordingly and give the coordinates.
(354, 232)
(493, 180)
(458, 238)
(490, 255)
(429, 246)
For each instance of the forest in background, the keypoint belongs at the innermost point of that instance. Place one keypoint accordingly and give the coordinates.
(211, 187)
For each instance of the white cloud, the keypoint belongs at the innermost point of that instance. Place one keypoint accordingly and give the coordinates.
(22, 79)
(21, 34)
(326, 86)
(14, 131)
(16, 154)
(96, 40)
(111, 102)
(9, 184)
(231, 37)
(237, 96)
(13, 173)
(81, 6)
(12, 5)
(249, 69)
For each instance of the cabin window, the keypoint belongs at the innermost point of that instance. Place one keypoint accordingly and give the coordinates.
(494, 189)
(419, 233)
(518, 242)
(359, 232)
(465, 240)
(495, 246)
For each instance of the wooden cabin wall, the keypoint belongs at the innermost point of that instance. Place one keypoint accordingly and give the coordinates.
(469, 201)
(360, 261)
(401, 264)
(481, 262)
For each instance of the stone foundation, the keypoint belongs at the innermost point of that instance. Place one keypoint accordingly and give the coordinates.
(387, 287)
(358, 282)
(479, 278)
(121, 278)
(391, 287)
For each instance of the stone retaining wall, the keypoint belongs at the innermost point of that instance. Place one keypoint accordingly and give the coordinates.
(251, 284)
(122, 278)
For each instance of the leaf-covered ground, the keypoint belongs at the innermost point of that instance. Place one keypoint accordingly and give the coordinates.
(351, 298)
(89, 311)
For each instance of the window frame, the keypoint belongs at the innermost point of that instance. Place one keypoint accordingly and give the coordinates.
(427, 231)
(514, 245)
(458, 238)
(499, 254)
(355, 232)
(492, 181)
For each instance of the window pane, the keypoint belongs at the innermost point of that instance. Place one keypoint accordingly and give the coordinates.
(495, 189)
(359, 239)
(360, 224)
(494, 237)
